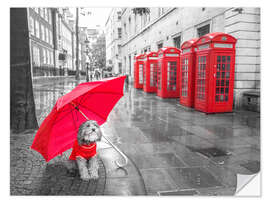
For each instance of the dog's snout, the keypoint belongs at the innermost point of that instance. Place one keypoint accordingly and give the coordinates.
(93, 129)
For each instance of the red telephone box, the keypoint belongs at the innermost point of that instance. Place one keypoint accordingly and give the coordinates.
(138, 71)
(150, 72)
(215, 59)
(168, 72)
(187, 72)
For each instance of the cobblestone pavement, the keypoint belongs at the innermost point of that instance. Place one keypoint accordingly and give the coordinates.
(31, 175)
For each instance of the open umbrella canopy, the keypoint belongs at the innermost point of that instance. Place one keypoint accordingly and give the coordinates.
(58, 131)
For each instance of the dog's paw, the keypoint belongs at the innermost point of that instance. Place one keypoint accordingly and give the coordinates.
(86, 177)
(94, 175)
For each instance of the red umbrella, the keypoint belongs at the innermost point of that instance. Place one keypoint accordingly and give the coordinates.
(90, 100)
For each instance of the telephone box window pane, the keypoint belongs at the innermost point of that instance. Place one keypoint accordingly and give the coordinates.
(228, 67)
(223, 67)
(223, 59)
(218, 74)
(226, 97)
(222, 83)
(227, 74)
(218, 59)
(228, 59)
(222, 91)
(171, 73)
(221, 97)
(140, 74)
(223, 74)
(226, 90)
(218, 67)
(217, 97)
(217, 83)
(227, 82)
(217, 90)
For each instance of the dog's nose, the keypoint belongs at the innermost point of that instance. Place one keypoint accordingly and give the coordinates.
(93, 129)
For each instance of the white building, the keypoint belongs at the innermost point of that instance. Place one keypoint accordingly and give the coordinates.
(113, 41)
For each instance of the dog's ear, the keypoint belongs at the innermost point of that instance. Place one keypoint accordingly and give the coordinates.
(99, 135)
(80, 133)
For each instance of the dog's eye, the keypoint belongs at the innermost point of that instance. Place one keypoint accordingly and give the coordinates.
(88, 125)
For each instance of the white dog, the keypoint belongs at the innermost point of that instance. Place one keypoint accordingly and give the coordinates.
(84, 150)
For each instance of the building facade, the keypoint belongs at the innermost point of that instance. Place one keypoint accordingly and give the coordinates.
(113, 40)
(41, 41)
(172, 26)
(53, 42)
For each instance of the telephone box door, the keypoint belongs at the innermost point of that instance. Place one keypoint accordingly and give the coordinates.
(224, 77)
(171, 85)
(201, 82)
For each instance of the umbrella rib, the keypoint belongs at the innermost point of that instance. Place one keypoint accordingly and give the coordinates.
(93, 112)
(73, 119)
(64, 116)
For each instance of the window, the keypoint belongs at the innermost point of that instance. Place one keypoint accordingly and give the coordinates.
(120, 67)
(171, 75)
(129, 25)
(162, 11)
(51, 38)
(119, 48)
(49, 17)
(52, 58)
(160, 45)
(41, 12)
(37, 29)
(36, 56)
(45, 14)
(177, 42)
(44, 56)
(47, 35)
(119, 33)
(159, 12)
(31, 26)
(203, 30)
(125, 28)
(119, 15)
(42, 32)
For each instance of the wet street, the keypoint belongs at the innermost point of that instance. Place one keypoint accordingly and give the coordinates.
(172, 150)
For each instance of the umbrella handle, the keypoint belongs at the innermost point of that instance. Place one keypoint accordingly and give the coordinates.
(120, 152)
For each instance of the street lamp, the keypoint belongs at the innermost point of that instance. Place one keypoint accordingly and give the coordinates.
(87, 59)
(77, 39)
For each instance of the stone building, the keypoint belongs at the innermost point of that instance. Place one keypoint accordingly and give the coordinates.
(172, 26)
(113, 40)
(41, 41)
(53, 42)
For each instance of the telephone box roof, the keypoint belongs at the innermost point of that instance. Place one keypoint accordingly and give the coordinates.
(216, 37)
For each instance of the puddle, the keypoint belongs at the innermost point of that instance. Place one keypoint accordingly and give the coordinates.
(210, 152)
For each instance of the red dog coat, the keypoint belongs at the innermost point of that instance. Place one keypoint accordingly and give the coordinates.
(85, 151)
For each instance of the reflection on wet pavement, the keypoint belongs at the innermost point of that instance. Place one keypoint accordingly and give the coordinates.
(172, 148)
